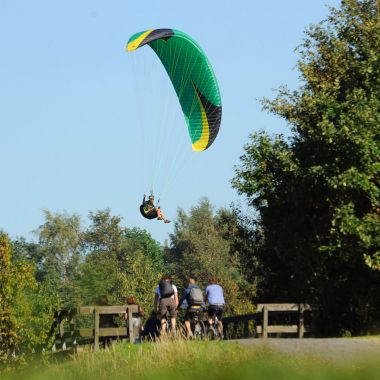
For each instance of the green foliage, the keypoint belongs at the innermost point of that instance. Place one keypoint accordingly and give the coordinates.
(25, 311)
(237, 229)
(139, 279)
(68, 267)
(140, 240)
(119, 262)
(59, 255)
(198, 248)
(317, 194)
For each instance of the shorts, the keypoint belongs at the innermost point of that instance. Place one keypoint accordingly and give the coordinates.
(193, 310)
(167, 307)
(215, 310)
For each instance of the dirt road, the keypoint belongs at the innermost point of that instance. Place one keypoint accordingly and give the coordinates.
(335, 349)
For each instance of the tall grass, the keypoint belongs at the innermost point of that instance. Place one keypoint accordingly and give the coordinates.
(188, 360)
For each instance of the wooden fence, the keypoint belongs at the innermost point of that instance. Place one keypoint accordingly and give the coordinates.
(241, 326)
(298, 329)
(72, 337)
(257, 324)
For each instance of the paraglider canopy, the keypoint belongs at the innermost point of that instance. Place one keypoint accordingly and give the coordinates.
(193, 80)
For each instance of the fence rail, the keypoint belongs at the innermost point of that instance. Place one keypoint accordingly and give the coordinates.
(70, 339)
(260, 321)
(254, 324)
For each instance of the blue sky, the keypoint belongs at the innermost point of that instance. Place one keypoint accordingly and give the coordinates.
(75, 107)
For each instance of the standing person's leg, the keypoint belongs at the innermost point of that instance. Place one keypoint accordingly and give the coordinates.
(136, 328)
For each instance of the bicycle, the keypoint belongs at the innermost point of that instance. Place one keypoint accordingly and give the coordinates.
(196, 323)
(213, 329)
(178, 332)
(168, 324)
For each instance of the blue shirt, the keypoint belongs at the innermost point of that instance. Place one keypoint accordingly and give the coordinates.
(214, 294)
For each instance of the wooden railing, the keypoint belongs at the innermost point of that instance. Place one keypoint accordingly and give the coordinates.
(299, 329)
(72, 337)
(241, 326)
(257, 324)
(98, 331)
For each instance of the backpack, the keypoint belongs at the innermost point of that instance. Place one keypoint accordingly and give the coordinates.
(166, 288)
(196, 296)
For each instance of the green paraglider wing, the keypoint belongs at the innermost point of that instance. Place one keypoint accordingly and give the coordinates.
(193, 79)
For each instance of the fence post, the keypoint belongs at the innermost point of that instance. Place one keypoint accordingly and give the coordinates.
(130, 325)
(60, 324)
(71, 318)
(72, 314)
(61, 330)
(301, 327)
(265, 322)
(246, 328)
(96, 329)
(225, 329)
(313, 322)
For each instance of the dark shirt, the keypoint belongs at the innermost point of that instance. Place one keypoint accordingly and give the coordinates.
(107, 320)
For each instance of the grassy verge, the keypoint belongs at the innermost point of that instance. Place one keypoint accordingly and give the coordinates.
(193, 361)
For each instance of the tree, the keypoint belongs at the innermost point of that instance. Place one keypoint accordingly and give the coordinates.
(317, 193)
(118, 262)
(59, 254)
(238, 230)
(144, 265)
(24, 308)
(140, 240)
(198, 248)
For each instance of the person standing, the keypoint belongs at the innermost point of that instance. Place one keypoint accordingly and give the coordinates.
(136, 317)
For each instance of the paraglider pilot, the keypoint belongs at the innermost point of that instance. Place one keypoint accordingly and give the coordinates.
(150, 211)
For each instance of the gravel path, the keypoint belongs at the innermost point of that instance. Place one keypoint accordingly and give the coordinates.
(335, 349)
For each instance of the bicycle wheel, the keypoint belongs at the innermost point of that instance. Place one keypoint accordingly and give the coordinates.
(199, 330)
(212, 333)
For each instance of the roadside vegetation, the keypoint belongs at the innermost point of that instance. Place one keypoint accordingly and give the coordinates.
(196, 360)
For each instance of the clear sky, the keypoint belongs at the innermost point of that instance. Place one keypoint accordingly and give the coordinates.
(71, 115)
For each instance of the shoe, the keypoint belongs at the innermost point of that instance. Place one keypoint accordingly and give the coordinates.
(166, 221)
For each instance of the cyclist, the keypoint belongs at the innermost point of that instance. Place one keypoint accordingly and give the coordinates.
(215, 299)
(166, 302)
(195, 303)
